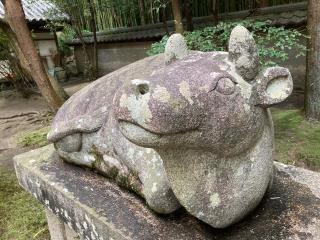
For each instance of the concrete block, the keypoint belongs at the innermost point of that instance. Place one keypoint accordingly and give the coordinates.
(56, 227)
(96, 208)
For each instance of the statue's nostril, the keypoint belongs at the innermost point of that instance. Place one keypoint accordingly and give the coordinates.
(142, 88)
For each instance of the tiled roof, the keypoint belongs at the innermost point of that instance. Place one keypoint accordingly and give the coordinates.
(288, 14)
(35, 10)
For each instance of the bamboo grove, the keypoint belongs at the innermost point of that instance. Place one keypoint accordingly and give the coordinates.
(127, 13)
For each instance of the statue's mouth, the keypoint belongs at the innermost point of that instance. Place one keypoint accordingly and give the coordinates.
(147, 138)
(138, 134)
(125, 124)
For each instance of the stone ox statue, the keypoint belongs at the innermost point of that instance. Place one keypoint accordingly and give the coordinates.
(181, 128)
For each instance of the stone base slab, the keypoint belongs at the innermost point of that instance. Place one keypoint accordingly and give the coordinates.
(96, 209)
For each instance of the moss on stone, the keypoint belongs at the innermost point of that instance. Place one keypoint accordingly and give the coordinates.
(130, 181)
(97, 156)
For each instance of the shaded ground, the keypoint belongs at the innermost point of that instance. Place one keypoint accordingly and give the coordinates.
(20, 115)
(23, 125)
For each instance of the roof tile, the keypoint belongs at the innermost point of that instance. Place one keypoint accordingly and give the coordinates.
(35, 10)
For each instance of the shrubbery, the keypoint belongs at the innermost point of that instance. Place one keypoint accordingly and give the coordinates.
(273, 42)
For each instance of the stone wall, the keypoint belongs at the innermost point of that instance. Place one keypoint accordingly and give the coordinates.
(116, 55)
(112, 56)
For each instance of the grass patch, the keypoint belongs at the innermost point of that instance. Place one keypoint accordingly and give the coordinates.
(297, 140)
(22, 217)
(34, 138)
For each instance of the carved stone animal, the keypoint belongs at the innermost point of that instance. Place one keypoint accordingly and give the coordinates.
(181, 128)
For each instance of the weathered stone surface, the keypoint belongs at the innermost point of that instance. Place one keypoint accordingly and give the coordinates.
(176, 48)
(97, 208)
(56, 227)
(194, 132)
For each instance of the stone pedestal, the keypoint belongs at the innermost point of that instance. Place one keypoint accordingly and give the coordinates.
(58, 229)
(83, 205)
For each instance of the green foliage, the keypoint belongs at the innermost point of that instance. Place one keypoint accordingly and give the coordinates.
(160, 4)
(297, 140)
(273, 42)
(34, 138)
(22, 217)
(126, 13)
(109, 13)
(66, 35)
(158, 47)
(6, 52)
(5, 86)
(11, 70)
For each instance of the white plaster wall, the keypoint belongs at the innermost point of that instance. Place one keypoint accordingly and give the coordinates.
(45, 46)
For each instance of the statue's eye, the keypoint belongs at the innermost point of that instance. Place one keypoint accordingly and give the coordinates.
(225, 86)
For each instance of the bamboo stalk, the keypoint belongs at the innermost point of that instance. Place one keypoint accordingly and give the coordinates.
(119, 13)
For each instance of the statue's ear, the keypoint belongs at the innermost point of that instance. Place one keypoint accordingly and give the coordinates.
(272, 86)
(176, 48)
(243, 53)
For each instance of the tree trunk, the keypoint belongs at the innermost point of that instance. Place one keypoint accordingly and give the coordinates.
(142, 12)
(16, 19)
(57, 87)
(312, 88)
(18, 62)
(188, 14)
(17, 76)
(252, 6)
(177, 16)
(164, 21)
(95, 41)
(214, 9)
(75, 23)
(227, 7)
(23, 66)
(58, 48)
(264, 3)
